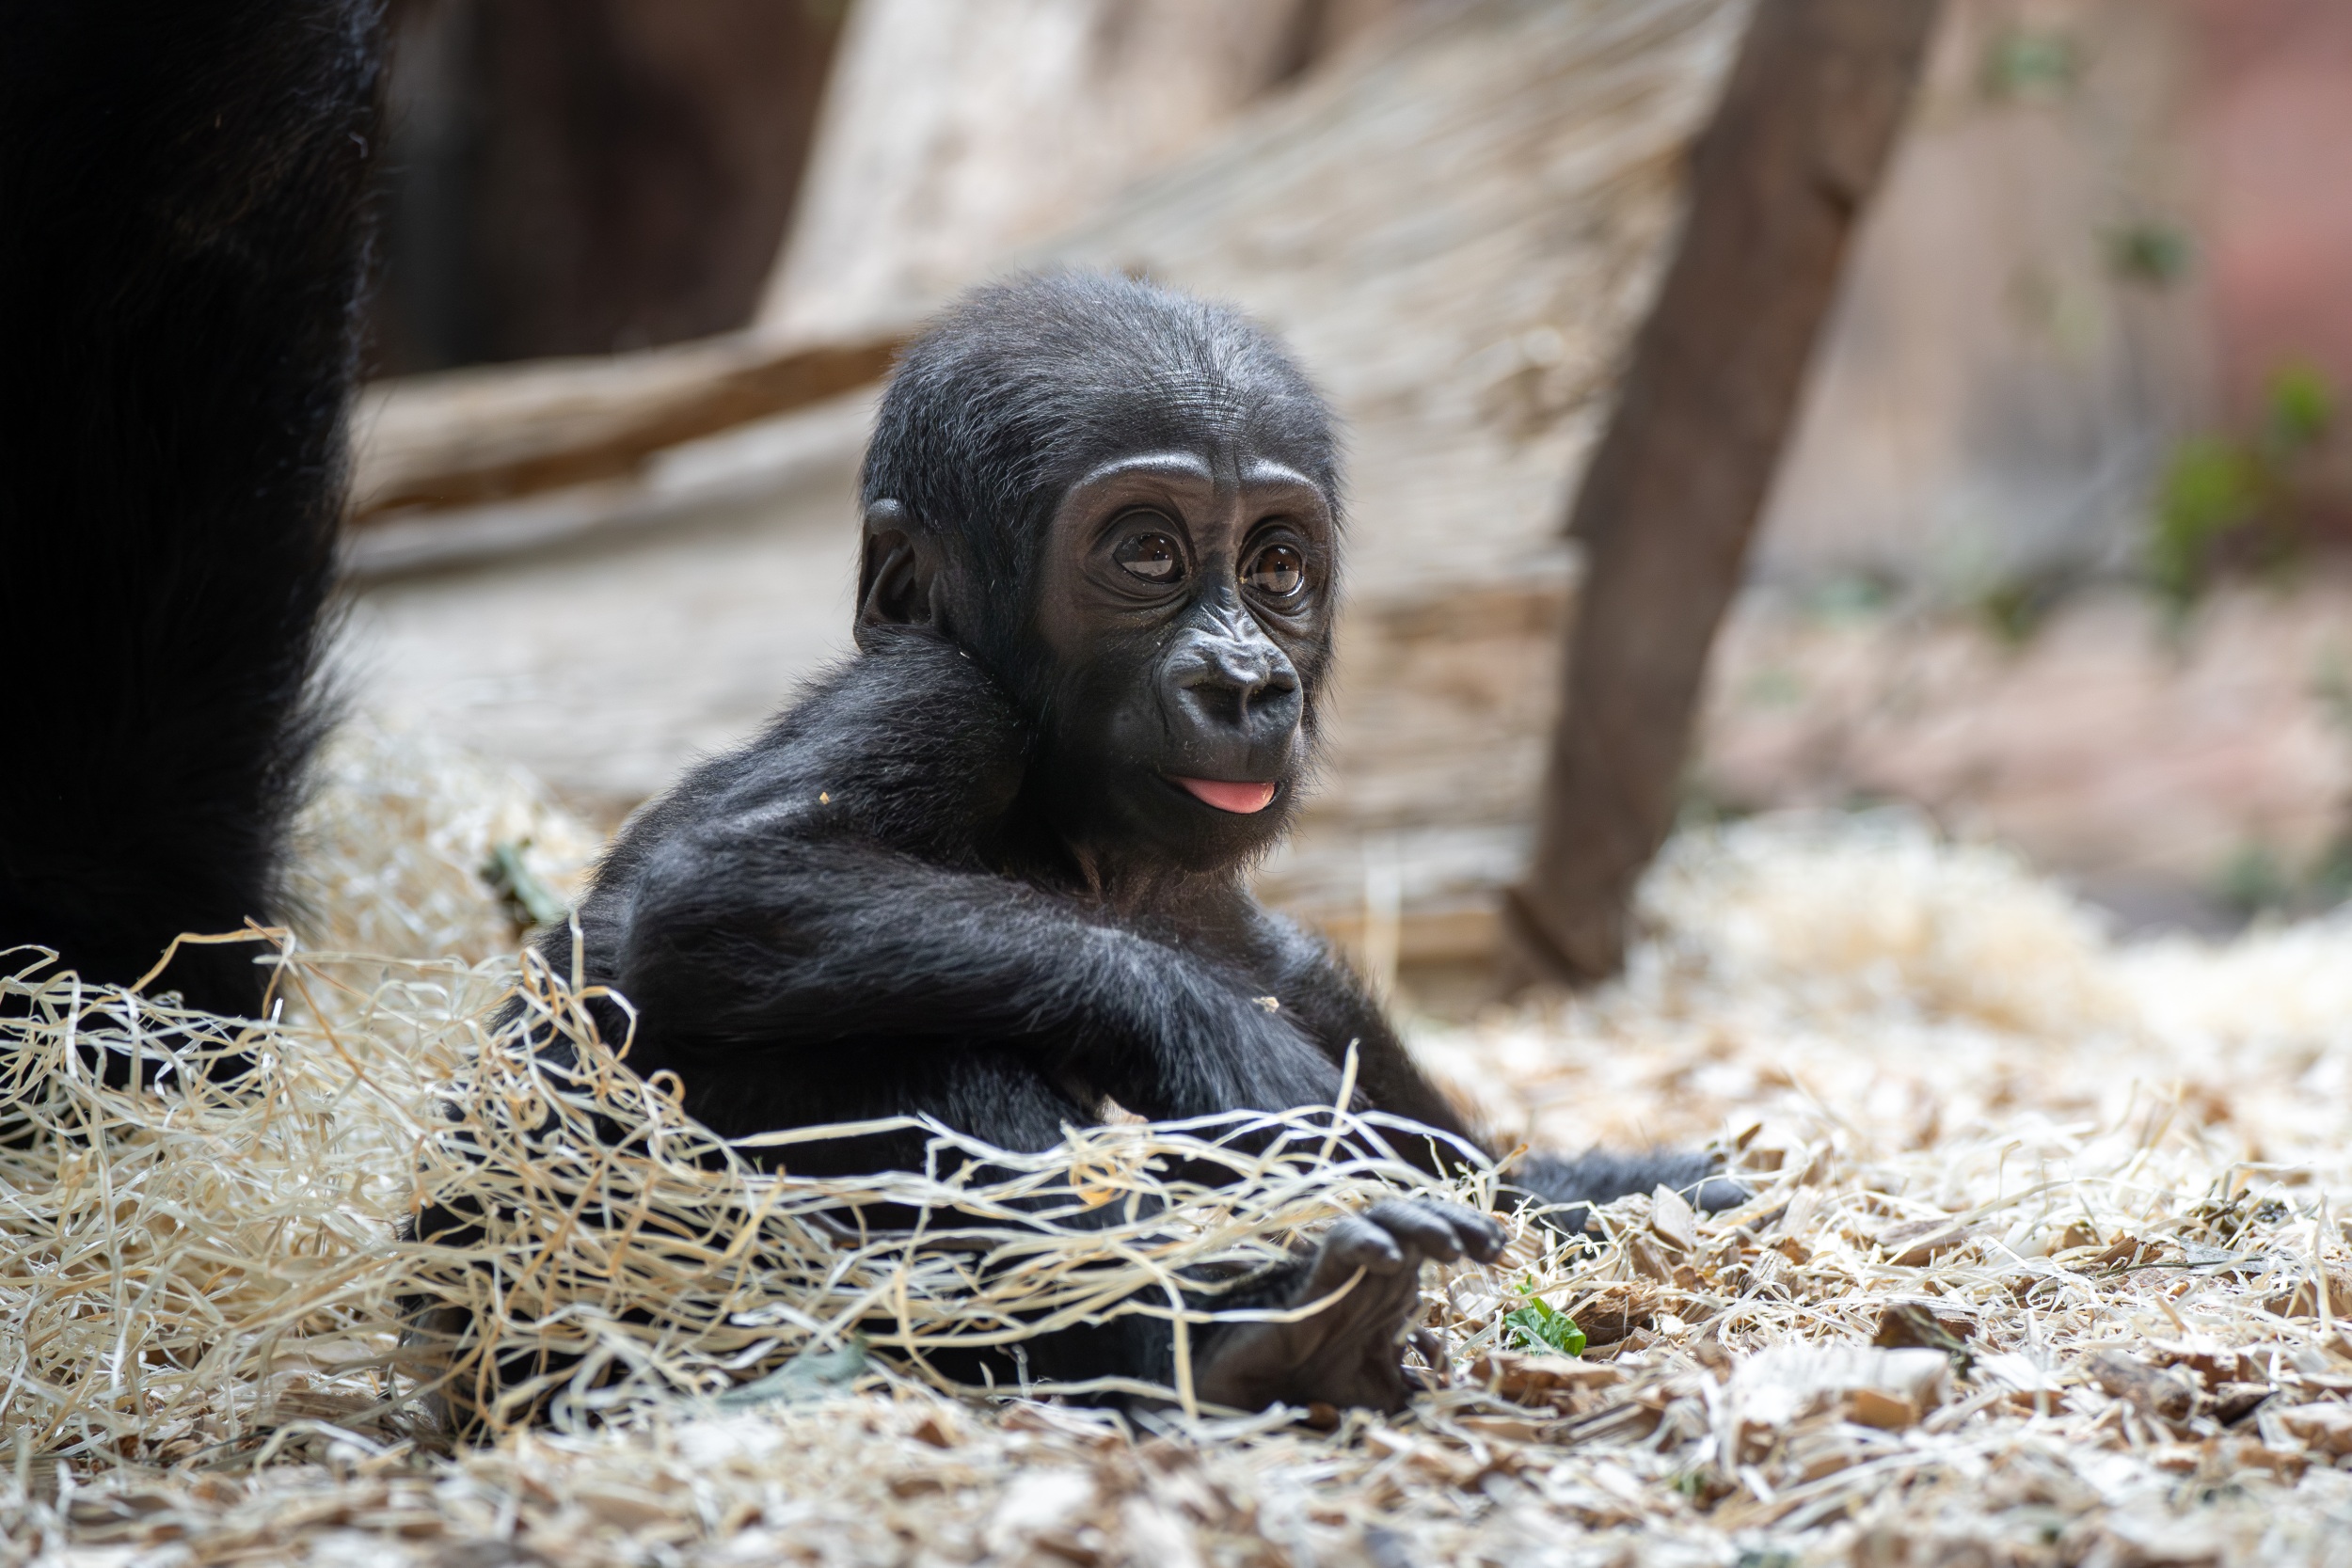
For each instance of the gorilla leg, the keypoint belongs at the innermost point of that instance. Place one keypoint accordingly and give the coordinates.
(1345, 1354)
(180, 266)
(1317, 988)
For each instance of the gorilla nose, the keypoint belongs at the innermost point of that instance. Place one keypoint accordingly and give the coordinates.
(1246, 684)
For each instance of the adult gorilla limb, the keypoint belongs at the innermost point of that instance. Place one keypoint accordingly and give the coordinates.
(184, 186)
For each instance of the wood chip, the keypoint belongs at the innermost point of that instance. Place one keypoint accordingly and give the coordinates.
(2323, 1428)
(2160, 1392)
(1915, 1244)
(1673, 1219)
(1553, 1380)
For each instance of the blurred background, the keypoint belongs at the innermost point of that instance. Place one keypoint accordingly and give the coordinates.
(2056, 553)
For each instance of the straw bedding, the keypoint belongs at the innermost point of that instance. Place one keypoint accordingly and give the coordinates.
(2046, 1261)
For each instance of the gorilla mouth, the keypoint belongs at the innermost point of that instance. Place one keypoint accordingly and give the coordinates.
(1228, 795)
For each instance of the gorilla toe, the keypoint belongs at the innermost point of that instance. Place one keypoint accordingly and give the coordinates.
(1441, 1231)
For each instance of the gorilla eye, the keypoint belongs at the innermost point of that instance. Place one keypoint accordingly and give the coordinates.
(1278, 570)
(1152, 557)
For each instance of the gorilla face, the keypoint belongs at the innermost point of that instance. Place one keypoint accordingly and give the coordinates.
(1184, 598)
(1122, 505)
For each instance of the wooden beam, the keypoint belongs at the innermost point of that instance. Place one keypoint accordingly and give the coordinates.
(461, 437)
(1777, 183)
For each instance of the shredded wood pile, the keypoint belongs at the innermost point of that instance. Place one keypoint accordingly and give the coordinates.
(2043, 1265)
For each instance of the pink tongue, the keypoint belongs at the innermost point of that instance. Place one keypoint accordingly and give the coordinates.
(1244, 797)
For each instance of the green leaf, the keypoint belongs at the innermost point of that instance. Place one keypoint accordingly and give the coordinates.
(2302, 404)
(2212, 488)
(2151, 252)
(529, 900)
(1538, 1327)
(2023, 63)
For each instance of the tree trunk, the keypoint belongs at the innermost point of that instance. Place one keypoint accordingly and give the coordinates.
(590, 176)
(1673, 490)
(955, 133)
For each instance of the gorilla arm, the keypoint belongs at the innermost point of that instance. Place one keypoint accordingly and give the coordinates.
(744, 947)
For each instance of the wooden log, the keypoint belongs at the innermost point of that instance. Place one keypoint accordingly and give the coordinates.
(1665, 511)
(459, 437)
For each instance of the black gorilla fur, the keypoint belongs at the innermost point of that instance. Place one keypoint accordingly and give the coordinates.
(964, 877)
(184, 185)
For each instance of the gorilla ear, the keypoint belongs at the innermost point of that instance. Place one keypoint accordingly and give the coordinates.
(900, 581)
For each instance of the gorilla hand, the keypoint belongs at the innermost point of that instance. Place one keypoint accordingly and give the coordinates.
(1346, 1354)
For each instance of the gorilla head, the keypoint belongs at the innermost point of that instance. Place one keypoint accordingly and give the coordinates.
(1124, 504)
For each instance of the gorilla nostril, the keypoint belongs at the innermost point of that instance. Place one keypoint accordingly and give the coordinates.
(1240, 682)
(1235, 694)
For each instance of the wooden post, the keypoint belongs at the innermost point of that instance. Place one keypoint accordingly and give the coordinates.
(1777, 183)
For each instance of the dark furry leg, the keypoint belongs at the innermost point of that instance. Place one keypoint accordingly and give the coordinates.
(1601, 1176)
(185, 183)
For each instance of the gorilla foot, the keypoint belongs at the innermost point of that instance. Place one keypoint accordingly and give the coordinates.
(1599, 1177)
(1347, 1353)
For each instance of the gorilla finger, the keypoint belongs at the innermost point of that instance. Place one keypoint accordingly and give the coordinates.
(1357, 1243)
(1483, 1236)
(1475, 1234)
(1433, 1355)
(1427, 1228)
(1447, 1231)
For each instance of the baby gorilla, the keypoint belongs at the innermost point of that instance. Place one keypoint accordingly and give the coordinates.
(990, 870)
